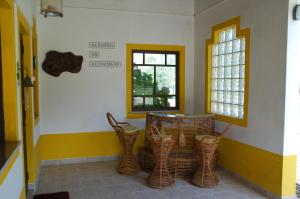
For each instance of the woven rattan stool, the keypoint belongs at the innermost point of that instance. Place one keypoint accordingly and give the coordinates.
(205, 176)
(127, 135)
(161, 146)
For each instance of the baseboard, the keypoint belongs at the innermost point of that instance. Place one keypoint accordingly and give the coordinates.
(79, 160)
(255, 186)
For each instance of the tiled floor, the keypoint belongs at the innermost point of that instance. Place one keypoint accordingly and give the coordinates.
(100, 180)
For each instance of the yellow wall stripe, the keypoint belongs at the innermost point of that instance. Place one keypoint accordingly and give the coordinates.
(273, 172)
(23, 193)
(81, 145)
(7, 167)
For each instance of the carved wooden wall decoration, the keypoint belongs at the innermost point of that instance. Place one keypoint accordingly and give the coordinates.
(58, 62)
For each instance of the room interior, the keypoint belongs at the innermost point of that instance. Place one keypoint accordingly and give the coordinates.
(175, 73)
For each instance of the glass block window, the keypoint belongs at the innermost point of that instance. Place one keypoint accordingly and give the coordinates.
(227, 68)
(155, 80)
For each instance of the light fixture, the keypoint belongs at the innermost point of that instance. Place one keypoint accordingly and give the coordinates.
(52, 8)
(27, 82)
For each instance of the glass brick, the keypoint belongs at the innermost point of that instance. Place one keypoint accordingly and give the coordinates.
(214, 96)
(234, 97)
(241, 98)
(227, 97)
(227, 109)
(229, 34)
(242, 58)
(234, 111)
(228, 60)
(235, 85)
(242, 85)
(228, 47)
(215, 61)
(236, 45)
(241, 112)
(234, 33)
(214, 72)
(221, 36)
(214, 84)
(221, 48)
(227, 72)
(228, 84)
(235, 71)
(215, 49)
(221, 60)
(213, 107)
(221, 72)
(235, 58)
(242, 71)
(220, 108)
(243, 44)
(220, 96)
(221, 84)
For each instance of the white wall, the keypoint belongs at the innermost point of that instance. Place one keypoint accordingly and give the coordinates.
(78, 102)
(13, 183)
(292, 106)
(268, 22)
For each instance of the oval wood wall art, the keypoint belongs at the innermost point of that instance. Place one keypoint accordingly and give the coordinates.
(58, 62)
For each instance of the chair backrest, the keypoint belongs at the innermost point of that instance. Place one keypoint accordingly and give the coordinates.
(113, 122)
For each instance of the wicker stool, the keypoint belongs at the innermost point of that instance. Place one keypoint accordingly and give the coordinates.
(205, 176)
(127, 135)
(160, 176)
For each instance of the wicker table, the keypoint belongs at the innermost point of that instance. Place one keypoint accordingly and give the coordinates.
(181, 161)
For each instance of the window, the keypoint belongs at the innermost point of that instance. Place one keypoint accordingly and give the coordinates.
(227, 72)
(155, 79)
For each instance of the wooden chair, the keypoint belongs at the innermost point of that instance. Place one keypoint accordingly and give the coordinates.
(161, 145)
(206, 146)
(127, 135)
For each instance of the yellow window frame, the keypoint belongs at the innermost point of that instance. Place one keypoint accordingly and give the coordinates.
(234, 22)
(129, 48)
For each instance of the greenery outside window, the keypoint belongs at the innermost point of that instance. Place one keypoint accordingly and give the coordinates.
(155, 79)
(227, 74)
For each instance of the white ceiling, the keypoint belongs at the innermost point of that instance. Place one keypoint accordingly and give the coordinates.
(202, 5)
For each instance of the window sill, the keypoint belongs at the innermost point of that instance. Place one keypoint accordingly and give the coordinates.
(142, 114)
(9, 151)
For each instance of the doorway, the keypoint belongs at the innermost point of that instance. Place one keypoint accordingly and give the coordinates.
(23, 107)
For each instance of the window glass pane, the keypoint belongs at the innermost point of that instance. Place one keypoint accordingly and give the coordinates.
(166, 80)
(236, 45)
(241, 112)
(213, 107)
(234, 97)
(242, 84)
(227, 97)
(148, 101)
(228, 47)
(222, 36)
(143, 80)
(214, 96)
(221, 60)
(242, 71)
(234, 111)
(235, 58)
(228, 60)
(221, 48)
(214, 72)
(243, 44)
(220, 108)
(171, 59)
(227, 109)
(214, 84)
(228, 84)
(215, 61)
(215, 49)
(138, 58)
(154, 58)
(160, 102)
(229, 34)
(242, 58)
(171, 102)
(227, 72)
(235, 72)
(235, 84)
(241, 98)
(221, 72)
(221, 84)
(220, 96)
(138, 101)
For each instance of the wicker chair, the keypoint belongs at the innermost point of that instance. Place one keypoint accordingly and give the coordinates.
(206, 146)
(127, 135)
(161, 145)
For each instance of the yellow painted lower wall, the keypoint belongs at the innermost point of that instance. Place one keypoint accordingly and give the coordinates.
(35, 163)
(82, 145)
(273, 172)
(23, 193)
